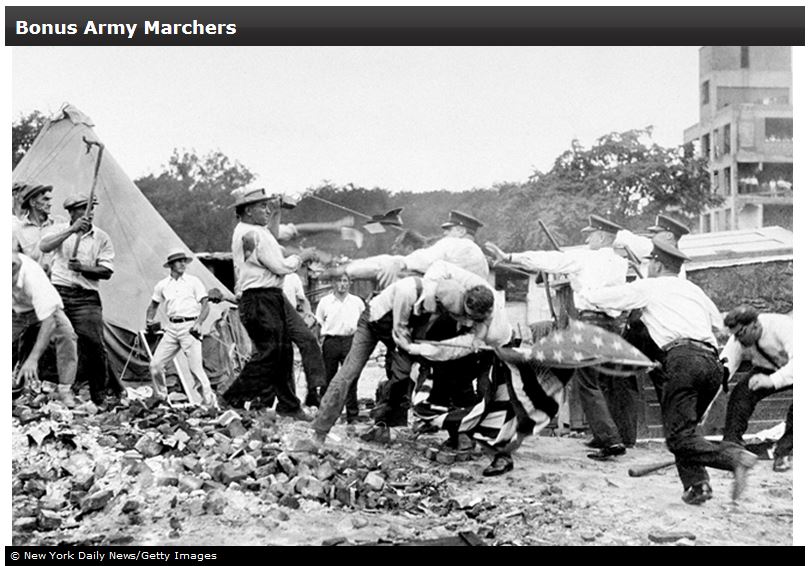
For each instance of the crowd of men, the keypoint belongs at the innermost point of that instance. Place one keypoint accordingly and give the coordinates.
(440, 320)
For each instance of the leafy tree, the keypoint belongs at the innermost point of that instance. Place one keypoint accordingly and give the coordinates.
(23, 133)
(622, 177)
(193, 195)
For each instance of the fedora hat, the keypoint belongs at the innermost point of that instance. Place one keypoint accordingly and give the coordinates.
(27, 192)
(246, 195)
(174, 255)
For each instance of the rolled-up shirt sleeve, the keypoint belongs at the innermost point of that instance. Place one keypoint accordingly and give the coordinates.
(106, 253)
(421, 260)
(620, 297)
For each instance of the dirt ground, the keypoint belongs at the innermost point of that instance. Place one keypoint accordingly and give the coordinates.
(554, 496)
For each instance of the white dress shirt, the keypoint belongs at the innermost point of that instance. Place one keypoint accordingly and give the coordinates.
(182, 295)
(775, 341)
(258, 259)
(339, 317)
(33, 292)
(672, 307)
(588, 270)
(95, 249)
(463, 252)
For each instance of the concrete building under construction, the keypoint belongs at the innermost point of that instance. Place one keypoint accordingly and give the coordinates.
(745, 131)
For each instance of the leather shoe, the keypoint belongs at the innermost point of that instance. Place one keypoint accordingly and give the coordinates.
(501, 464)
(782, 464)
(593, 443)
(698, 493)
(608, 452)
(744, 463)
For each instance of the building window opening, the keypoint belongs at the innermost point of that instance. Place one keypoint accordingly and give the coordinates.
(745, 56)
(726, 139)
(706, 93)
(777, 129)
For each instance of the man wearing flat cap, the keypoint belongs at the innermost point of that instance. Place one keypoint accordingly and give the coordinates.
(765, 340)
(681, 320)
(186, 303)
(609, 403)
(76, 272)
(35, 218)
(457, 247)
(260, 267)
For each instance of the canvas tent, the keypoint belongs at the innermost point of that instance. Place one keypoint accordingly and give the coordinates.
(141, 237)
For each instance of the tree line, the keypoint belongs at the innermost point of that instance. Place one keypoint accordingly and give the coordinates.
(623, 176)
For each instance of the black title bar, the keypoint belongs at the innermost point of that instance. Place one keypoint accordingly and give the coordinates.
(262, 25)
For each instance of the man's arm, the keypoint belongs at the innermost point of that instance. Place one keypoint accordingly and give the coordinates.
(626, 296)
(55, 239)
(404, 298)
(94, 272)
(28, 370)
(151, 311)
(265, 251)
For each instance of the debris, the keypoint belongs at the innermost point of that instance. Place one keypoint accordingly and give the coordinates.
(461, 474)
(97, 500)
(147, 446)
(48, 520)
(374, 480)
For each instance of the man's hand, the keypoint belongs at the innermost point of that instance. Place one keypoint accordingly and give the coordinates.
(81, 225)
(423, 350)
(388, 274)
(29, 371)
(152, 326)
(498, 254)
(75, 265)
(760, 381)
(196, 332)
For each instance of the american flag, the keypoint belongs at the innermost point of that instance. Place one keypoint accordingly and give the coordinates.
(582, 345)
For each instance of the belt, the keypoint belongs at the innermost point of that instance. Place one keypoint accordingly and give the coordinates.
(595, 314)
(182, 318)
(690, 342)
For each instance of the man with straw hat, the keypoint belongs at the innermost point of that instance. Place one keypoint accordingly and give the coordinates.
(186, 309)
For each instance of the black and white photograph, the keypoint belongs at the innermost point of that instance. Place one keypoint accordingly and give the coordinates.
(304, 294)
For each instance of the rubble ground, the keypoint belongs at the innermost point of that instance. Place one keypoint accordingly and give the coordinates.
(145, 474)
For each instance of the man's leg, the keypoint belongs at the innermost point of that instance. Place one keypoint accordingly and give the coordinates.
(693, 378)
(393, 403)
(622, 397)
(595, 408)
(784, 445)
(334, 399)
(192, 348)
(65, 341)
(84, 312)
(311, 356)
(164, 353)
(741, 404)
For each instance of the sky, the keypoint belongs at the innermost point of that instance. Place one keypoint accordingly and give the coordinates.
(399, 118)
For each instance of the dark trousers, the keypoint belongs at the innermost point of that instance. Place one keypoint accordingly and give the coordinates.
(268, 372)
(784, 446)
(741, 404)
(610, 403)
(367, 336)
(693, 376)
(335, 350)
(305, 340)
(83, 309)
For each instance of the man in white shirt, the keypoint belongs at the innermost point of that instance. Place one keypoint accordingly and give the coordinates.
(766, 341)
(260, 267)
(186, 303)
(457, 246)
(609, 403)
(76, 272)
(338, 314)
(37, 317)
(681, 320)
(390, 318)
